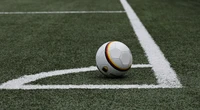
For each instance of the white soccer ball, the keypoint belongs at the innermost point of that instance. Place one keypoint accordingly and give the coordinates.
(113, 59)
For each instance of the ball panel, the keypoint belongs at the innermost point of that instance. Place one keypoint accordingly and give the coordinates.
(125, 58)
(122, 46)
(104, 69)
(101, 50)
(114, 53)
(117, 62)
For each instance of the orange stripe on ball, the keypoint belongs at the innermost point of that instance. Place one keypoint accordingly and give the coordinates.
(109, 59)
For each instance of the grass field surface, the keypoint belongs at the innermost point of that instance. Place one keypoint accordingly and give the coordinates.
(35, 43)
(59, 5)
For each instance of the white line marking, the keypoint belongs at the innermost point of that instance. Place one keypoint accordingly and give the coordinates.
(143, 86)
(60, 12)
(164, 73)
(21, 81)
(141, 66)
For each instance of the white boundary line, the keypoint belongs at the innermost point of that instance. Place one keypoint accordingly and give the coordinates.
(165, 75)
(32, 87)
(20, 82)
(60, 12)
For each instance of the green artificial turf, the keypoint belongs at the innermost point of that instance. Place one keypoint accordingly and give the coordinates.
(39, 43)
(133, 76)
(59, 5)
(132, 99)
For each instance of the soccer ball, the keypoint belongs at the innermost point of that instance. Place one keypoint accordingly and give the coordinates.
(113, 59)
